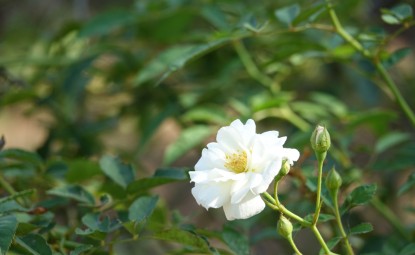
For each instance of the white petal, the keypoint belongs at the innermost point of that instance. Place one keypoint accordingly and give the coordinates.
(291, 155)
(245, 209)
(214, 175)
(209, 195)
(212, 157)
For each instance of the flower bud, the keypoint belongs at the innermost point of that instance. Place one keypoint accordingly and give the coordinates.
(320, 139)
(285, 169)
(333, 180)
(284, 227)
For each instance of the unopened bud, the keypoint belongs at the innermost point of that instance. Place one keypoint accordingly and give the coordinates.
(285, 169)
(333, 180)
(284, 227)
(320, 139)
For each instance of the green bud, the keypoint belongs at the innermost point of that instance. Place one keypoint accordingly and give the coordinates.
(284, 227)
(285, 169)
(320, 139)
(333, 180)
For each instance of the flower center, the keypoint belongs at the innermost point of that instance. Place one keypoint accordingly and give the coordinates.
(236, 162)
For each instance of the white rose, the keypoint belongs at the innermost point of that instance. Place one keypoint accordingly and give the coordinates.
(235, 170)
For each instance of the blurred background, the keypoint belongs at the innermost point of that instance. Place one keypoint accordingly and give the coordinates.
(152, 82)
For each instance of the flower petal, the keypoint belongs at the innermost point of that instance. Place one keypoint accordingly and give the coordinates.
(208, 195)
(245, 209)
(291, 155)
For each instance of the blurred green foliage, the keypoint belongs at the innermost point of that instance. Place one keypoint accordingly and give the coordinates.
(99, 68)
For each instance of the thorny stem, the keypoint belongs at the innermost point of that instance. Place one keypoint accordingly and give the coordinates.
(379, 66)
(340, 225)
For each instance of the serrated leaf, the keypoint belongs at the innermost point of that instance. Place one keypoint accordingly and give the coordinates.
(236, 241)
(35, 244)
(287, 14)
(174, 59)
(8, 226)
(120, 173)
(81, 169)
(142, 208)
(161, 176)
(81, 249)
(361, 195)
(11, 206)
(188, 139)
(398, 14)
(410, 183)
(183, 237)
(75, 192)
(361, 229)
(390, 140)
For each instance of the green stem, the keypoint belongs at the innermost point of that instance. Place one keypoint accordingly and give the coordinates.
(395, 91)
(391, 217)
(321, 240)
(276, 205)
(379, 66)
(252, 69)
(340, 224)
(320, 159)
(343, 33)
(291, 241)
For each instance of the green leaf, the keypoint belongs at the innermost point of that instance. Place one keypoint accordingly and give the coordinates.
(105, 23)
(398, 14)
(35, 244)
(75, 192)
(183, 237)
(142, 208)
(287, 14)
(11, 206)
(81, 170)
(407, 185)
(160, 177)
(120, 173)
(81, 249)
(361, 195)
(333, 242)
(98, 222)
(15, 196)
(22, 156)
(408, 250)
(322, 217)
(8, 226)
(396, 56)
(236, 241)
(175, 58)
(361, 229)
(389, 140)
(209, 114)
(310, 14)
(188, 139)
(215, 16)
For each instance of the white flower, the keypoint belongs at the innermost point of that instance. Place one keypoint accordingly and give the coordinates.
(235, 170)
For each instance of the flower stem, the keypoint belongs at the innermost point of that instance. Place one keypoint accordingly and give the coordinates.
(379, 66)
(276, 205)
(339, 223)
(320, 160)
(321, 240)
(291, 241)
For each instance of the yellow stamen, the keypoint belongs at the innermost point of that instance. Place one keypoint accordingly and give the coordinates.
(237, 162)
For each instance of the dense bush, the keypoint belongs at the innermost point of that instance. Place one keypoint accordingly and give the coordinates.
(106, 108)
